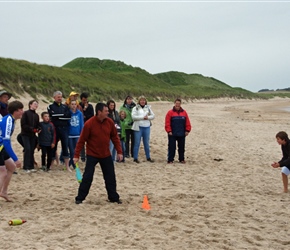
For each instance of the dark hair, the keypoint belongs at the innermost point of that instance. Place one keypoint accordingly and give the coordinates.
(177, 100)
(282, 135)
(109, 102)
(84, 95)
(30, 102)
(100, 106)
(128, 96)
(14, 106)
(44, 113)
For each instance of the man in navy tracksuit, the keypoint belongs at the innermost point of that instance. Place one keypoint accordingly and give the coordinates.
(60, 116)
(177, 126)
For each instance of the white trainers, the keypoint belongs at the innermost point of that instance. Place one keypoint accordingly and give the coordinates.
(27, 171)
(33, 170)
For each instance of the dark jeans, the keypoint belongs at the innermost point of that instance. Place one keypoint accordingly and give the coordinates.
(108, 170)
(83, 154)
(46, 151)
(29, 143)
(129, 136)
(62, 135)
(123, 149)
(72, 142)
(172, 147)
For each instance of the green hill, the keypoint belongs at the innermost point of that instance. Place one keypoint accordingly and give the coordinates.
(106, 79)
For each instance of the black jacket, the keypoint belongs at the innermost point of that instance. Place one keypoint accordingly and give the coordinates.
(59, 114)
(285, 161)
(29, 123)
(88, 112)
(47, 135)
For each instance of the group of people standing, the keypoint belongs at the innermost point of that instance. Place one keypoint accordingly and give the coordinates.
(133, 123)
(61, 122)
(107, 136)
(67, 122)
(103, 138)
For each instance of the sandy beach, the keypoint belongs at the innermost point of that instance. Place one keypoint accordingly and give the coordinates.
(226, 196)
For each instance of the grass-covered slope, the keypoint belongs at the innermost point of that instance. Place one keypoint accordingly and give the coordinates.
(105, 79)
(199, 86)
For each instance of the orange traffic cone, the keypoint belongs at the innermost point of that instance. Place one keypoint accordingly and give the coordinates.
(145, 204)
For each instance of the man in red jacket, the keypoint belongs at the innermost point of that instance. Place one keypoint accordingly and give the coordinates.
(97, 133)
(177, 126)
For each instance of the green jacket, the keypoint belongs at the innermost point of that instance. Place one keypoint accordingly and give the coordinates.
(123, 124)
(128, 119)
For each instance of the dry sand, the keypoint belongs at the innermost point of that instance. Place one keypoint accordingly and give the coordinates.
(234, 203)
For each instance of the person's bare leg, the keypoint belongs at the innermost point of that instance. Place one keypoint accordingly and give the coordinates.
(66, 161)
(285, 182)
(10, 166)
(3, 174)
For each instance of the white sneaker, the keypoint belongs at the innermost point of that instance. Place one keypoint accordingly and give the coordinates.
(33, 170)
(27, 171)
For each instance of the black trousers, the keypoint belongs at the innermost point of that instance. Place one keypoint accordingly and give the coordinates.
(62, 136)
(29, 143)
(172, 147)
(46, 151)
(108, 170)
(129, 137)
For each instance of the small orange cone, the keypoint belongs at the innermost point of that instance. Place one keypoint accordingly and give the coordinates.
(145, 204)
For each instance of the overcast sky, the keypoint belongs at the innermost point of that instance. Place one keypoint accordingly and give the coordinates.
(244, 44)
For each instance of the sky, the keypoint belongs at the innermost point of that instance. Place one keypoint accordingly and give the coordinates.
(241, 43)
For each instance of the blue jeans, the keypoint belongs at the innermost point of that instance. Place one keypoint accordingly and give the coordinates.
(144, 133)
(72, 142)
(123, 145)
(113, 151)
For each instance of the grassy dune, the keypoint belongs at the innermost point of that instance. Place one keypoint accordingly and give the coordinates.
(106, 79)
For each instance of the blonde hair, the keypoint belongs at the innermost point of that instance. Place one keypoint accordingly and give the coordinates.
(142, 97)
(121, 112)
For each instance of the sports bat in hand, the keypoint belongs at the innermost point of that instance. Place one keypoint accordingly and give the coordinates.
(78, 173)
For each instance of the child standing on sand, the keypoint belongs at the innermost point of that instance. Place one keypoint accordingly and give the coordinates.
(75, 128)
(283, 140)
(46, 140)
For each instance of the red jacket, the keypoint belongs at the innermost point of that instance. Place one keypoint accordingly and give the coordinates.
(97, 136)
(177, 122)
